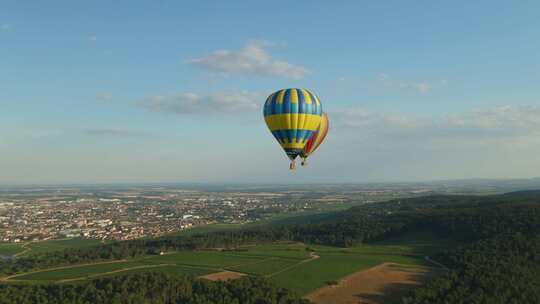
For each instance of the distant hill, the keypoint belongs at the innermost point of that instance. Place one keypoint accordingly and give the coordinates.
(495, 260)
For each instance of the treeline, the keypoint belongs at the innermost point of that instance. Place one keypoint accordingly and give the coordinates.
(500, 260)
(151, 288)
(140, 247)
(340, 230)
(466, 218)
(344, 232)
(501, 270)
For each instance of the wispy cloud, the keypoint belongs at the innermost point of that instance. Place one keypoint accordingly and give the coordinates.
(115, 132)
(252, 59)
(4, 27)
(524, 118)
(191, 103)
(418, 86)
(104, 97)
(500, 121)
(368, 120)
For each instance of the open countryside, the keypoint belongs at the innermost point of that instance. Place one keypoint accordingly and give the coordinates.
(296, 266)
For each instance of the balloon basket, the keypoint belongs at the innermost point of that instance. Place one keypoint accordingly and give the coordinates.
(292, 166)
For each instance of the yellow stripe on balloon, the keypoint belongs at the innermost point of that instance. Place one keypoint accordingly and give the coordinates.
(307, 96)
(293, 145)
(312, 122)
(317, 99)
(269, 98)
(293, 96)
(322, 129)
(279, 99)
(282, 121)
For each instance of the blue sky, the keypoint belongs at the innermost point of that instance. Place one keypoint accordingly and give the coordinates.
(171, 90)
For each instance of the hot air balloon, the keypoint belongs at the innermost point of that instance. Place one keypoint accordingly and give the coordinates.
(292, 115)
(316, 139)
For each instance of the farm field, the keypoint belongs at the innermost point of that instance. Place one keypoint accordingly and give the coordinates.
(208, 259)
(384, 283)
(265, 267)
(173, 270)
(56, 245)
(77, 272)
(334, 264)
(296, 266)
(9, 249)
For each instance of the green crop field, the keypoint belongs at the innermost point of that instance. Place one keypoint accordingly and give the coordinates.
(56, 245)
(174, 270)
(285, 250)
(266, 266)
(9, 249)
(213, 259)
(77, 272)
(295, 266)
(336, 263)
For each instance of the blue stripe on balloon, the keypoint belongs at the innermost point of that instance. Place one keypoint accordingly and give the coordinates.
(287, 96)
(267, 108)
(301, 98)
(286, 106)
(274, 103)
(308, 135)
(308, 108)
(313, 100)
(302, 106)
(300, 135)
(282, 135)
(276, 135)
(289, 133)
(294, 108)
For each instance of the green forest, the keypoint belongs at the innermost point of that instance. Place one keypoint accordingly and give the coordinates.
(495, 260)
(149, 288)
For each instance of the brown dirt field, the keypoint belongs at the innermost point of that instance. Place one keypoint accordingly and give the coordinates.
(384, 283)
(223, 276)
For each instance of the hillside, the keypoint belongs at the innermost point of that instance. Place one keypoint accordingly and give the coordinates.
(488, 243)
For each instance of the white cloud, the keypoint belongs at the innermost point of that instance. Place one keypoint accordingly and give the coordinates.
(104, 97)
(420, 87)
(361, 118)
(494, 141)
(508, 118)
(253, 59)
(117, 132)
(497, 122)
(191, 103)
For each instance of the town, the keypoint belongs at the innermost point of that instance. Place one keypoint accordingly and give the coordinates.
(123, 214)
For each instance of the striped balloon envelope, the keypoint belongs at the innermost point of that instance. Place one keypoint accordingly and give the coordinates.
(316, 139)
(292, 115)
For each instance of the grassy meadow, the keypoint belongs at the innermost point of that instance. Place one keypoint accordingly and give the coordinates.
(296, 266)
